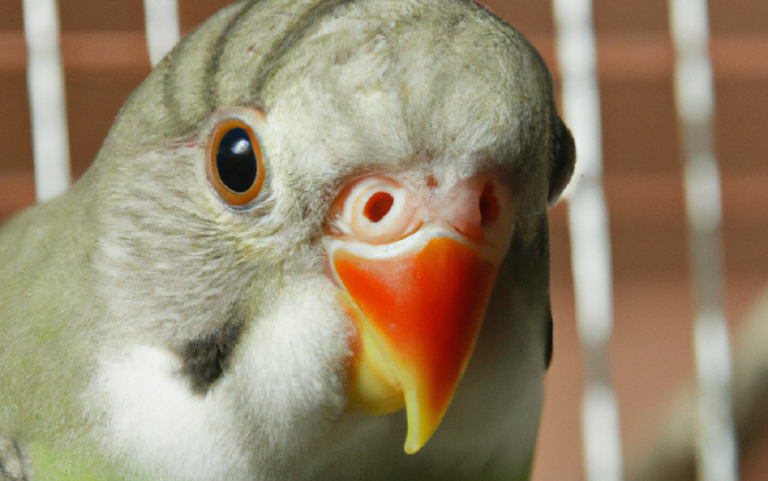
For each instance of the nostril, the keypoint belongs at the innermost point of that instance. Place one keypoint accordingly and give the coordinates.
(378, 206)
(489, 205)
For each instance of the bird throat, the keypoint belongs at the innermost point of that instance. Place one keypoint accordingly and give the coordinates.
(206, 358)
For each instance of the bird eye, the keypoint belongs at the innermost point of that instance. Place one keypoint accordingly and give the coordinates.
(235, 165)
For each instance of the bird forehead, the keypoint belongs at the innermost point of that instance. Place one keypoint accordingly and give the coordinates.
(377, 80)
(360, 92)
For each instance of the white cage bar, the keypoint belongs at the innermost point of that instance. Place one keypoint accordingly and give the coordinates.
(162, 27)
(716, 443)
(45, 80)
(590, 237)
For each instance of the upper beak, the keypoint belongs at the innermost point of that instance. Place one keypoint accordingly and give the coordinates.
(418, 301)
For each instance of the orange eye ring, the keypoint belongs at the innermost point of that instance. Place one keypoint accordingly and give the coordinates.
(235, 166)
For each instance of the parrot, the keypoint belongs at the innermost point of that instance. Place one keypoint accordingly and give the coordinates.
(314, 245)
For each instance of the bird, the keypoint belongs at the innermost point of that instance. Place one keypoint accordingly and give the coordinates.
(314, 245)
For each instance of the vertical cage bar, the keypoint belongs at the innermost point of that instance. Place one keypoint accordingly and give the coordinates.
(590, 237)
(45, 81)
(716, 442)
(162, 25)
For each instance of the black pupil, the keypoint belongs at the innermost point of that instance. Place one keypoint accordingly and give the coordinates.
(236, 161)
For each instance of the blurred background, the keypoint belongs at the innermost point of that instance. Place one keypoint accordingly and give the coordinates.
(105, 58)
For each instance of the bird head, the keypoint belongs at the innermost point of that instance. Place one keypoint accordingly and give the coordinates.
(306, 208)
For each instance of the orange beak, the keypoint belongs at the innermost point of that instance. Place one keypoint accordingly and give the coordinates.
(419, 317)
(416, 275)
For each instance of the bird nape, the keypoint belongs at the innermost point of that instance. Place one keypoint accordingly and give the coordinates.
(314, 246)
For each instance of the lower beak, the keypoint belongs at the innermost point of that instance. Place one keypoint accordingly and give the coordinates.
(418, 315)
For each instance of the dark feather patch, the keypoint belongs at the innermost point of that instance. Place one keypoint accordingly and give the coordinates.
(218, 49)
(205, 359)
(303, 25)
(12, 463)
(563, 159)
(549, 340)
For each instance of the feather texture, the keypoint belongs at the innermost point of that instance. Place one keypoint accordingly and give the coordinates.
(153, 332)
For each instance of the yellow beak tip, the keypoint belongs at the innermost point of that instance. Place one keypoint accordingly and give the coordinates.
(422, 424)
(414, 443)
(412, 448)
